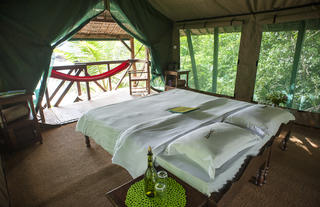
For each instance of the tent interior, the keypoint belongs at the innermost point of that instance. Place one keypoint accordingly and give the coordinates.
(265, 52)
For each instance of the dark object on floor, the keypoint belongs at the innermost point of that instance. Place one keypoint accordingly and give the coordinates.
(19, 127)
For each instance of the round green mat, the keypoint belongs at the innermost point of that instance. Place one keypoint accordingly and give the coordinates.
(175, 196)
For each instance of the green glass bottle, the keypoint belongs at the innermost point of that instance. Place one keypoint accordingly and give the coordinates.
(150, 176)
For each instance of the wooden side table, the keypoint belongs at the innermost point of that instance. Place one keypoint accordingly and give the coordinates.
(31, 120)
(173, 79)
(118, 195)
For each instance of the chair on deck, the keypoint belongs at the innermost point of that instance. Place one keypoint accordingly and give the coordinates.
(138, 76)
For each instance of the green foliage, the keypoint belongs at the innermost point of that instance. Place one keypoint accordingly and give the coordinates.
(277, 98)
(274, 69)
(93, 51)
(203, 50)
(308, 78)
(275, 65)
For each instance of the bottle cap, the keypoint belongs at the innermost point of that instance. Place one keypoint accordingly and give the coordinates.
(149, 150)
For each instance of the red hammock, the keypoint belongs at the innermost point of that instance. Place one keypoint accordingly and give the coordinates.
(63, 76)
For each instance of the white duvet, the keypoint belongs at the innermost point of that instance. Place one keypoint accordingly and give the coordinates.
(131, 147)
(105, 124)
(126, 129)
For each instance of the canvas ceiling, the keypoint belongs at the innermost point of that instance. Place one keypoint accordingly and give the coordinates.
(181, 10)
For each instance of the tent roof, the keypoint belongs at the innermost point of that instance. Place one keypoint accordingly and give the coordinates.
(184, 10)
(103, 27)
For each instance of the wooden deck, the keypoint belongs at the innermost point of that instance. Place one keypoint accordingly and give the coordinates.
(72, 112)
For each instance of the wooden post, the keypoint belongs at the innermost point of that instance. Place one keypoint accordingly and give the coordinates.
(79, 89)
(125, 44)
(121, 79)
(47, 98)
(109, 78)
(132, 56)
(87, 141)
(297, 54)
(133, 64)
(215, 60)
(130, 86)
(35, 119)
(193, 62)
(87, 83)
(148, 70)
(43, 120)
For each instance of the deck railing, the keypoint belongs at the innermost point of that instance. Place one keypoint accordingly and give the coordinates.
(82, 68)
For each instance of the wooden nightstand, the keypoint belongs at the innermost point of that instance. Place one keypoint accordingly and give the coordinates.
(173, 79)
(20, 126)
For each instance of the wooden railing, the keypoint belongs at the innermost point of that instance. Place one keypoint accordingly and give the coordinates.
(82, 68)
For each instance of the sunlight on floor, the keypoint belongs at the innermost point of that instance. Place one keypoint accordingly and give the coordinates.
(311, 143)
(300, 144)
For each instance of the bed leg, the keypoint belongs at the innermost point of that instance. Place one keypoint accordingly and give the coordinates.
(211, 202)
(260, 175)
(266, 171)
(87, 141)
(284, 142)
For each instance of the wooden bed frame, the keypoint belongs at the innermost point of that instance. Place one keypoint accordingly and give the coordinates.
(254, 168)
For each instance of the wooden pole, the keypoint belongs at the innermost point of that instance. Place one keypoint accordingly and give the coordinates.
(79, 89)
(109, 78)
(47, 98)
(148, 70)
(215, 60)
(134, 64)
(87, 84)
(297, 54)
(132, 55)
(193, 61)
(125, 44)
(124, 75)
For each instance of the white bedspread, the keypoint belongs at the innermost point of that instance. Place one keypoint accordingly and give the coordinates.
(126, 129)
(131, 147)
(105, 124)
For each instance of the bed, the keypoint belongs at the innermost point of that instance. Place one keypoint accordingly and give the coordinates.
(244, 130)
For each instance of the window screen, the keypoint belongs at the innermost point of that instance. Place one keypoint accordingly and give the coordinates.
(211, 56)
(289, 65)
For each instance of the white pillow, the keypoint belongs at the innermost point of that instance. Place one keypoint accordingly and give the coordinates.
(260, 118)
(211, 146)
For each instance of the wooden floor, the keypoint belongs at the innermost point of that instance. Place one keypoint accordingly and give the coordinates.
(72, 112)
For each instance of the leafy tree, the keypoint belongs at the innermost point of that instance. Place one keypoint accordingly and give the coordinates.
(274, 68)
(203, 50)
